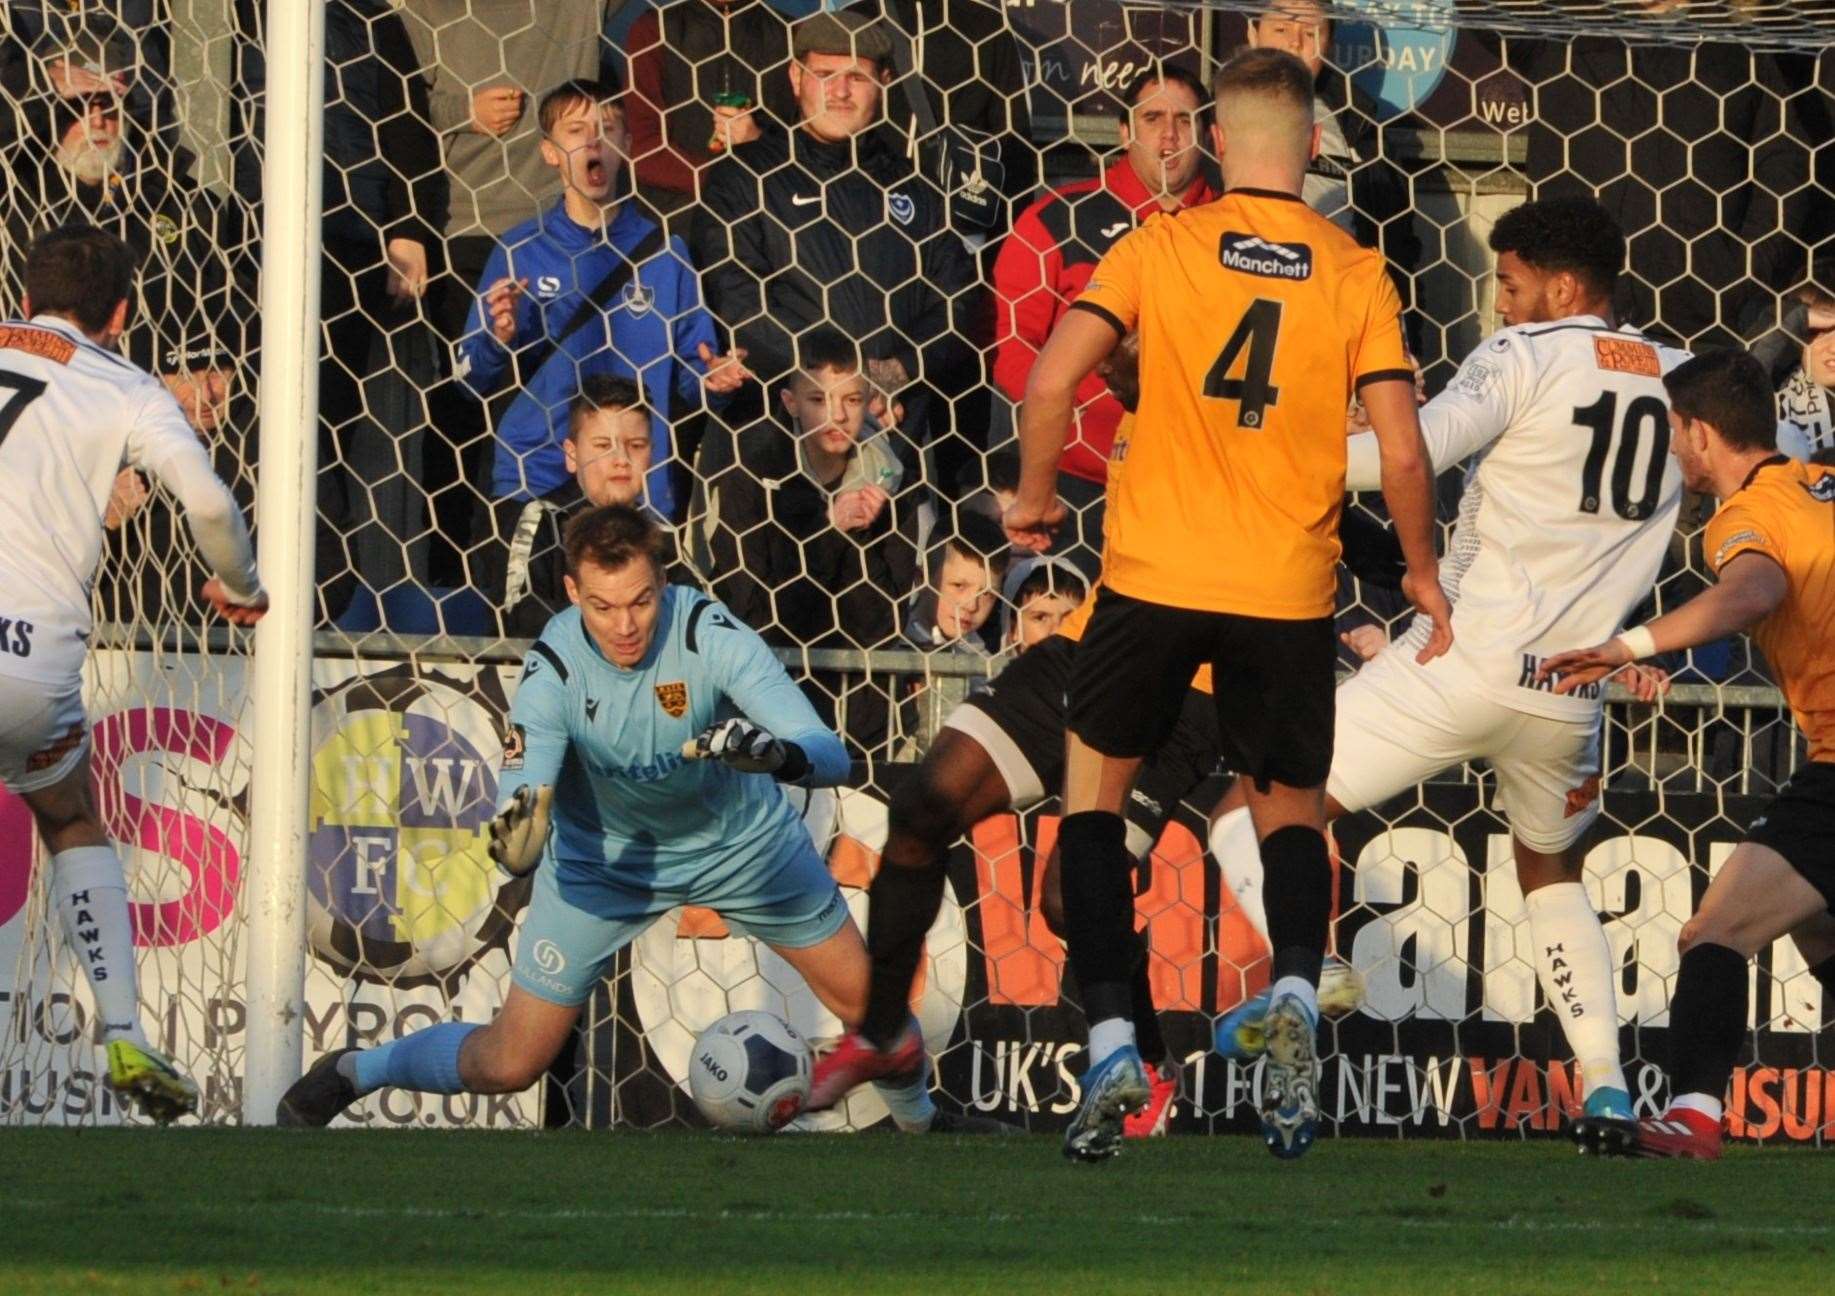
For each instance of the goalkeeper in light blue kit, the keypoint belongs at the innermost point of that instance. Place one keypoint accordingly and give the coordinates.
(652, 729)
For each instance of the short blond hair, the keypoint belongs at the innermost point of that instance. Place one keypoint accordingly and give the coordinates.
(1267, 94)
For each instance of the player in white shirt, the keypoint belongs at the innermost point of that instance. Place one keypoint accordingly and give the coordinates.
(73, 412)
(1570, 500)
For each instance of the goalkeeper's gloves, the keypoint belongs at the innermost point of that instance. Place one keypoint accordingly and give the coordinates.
(520, 831)
(748, 749)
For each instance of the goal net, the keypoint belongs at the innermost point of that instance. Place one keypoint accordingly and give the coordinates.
(441, 484)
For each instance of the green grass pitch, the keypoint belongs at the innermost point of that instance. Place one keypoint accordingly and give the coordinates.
(524, 1214)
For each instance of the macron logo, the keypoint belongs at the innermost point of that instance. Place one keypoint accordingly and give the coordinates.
(1257, 256)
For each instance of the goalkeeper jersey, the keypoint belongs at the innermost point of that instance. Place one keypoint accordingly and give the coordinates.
(609, 740)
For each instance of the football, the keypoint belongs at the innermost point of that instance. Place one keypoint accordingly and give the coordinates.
(750, 1073)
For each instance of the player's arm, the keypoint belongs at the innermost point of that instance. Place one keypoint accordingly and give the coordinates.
(1408, 490)
(534, 745)
(164, 444)
(776, 732)
(1469, 415)
(1752, 585)
(1080, 342)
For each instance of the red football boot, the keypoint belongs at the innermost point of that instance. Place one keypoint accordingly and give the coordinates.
(1679, 1132)
(1151, 1121)
(854, 1061)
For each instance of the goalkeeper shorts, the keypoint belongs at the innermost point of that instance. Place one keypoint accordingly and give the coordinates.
(580, 915)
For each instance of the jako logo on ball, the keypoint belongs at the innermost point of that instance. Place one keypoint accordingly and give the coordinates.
(404, 784)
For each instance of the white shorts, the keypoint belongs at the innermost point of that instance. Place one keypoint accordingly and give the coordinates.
(1398, 726)
(43, 732)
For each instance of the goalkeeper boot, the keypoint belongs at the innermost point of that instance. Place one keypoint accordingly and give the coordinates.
(1680, 1132)
(146, 1075)
(1290, 1079)
(856, 1060)
(948, 1122)
(1608, 1126)
(1151, 1121)
(1113, 1089)
(318, 1096)
(1240, 1033)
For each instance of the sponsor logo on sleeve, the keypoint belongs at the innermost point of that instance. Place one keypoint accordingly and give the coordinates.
(1252, 254)
(1626, 355)
(513, 747)
(673, 698)
(1476, 379)
(1734, 541)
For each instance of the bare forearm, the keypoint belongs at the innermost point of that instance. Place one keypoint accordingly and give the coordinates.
(1725, 609)
(1044, 422)
(1408, 490)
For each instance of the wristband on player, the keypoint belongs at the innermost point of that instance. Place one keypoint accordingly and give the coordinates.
(1639, 642)
(795, 766)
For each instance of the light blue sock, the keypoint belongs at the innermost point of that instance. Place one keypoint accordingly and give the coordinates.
(427, 1060)
(910, 1105)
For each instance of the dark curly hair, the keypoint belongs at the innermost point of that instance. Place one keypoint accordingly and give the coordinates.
(1572, 234)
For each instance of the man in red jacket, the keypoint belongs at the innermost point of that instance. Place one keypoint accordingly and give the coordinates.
(1056, 242)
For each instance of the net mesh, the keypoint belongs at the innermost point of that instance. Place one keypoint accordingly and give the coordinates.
(442, 486)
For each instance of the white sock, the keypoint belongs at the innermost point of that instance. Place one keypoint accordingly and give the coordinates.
(1300, 988)
(1109, 1034)
(1237, 853)
(1706, 1104)
(1574, 962)
(90, 894)
(910, 1105)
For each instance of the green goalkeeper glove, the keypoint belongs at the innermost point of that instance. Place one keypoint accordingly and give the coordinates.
(520, 830)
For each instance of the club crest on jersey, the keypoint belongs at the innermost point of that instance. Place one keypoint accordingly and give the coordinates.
(637, 299)
(1254, 255)
(1822, 490)
(901, 208)
(1626, 355)
(673, 699)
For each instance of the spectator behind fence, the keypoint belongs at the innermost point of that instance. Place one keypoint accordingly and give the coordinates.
(1349, 181)
(706, 76)
(959, 92)
(590, 286)
(812, 530)
(384, 196)
(1806, 390)
(963, 570)
(608, 451)
(1038, 593)
(1056, 243)
(831, 224)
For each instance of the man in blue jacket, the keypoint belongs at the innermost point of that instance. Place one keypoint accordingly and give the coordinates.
(589, 286)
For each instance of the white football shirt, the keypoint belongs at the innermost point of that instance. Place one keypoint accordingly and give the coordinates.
(1570, 500)
(72, 414)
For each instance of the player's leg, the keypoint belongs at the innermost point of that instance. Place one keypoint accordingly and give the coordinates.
(1548, 783)
(1815, 942)
(1780, 879)
(993, 752)
(560, 956)
(798, 911)
(45, 759)
(1276, 702)
(1132, 670)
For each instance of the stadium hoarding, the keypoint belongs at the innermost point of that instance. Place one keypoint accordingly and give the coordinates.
(409, 924)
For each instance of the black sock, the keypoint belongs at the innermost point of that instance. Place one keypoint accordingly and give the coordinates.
(1825, 973)
(1707, 1020)
(1298, 896)
(1147, 1037)
(902, 903)
(1097, 871)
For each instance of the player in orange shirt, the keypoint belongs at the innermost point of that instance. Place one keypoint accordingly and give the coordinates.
(1258, 318)
(1772, 545)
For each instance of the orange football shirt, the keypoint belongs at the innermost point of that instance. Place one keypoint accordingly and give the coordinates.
(1786, 511)
(1258, 318)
